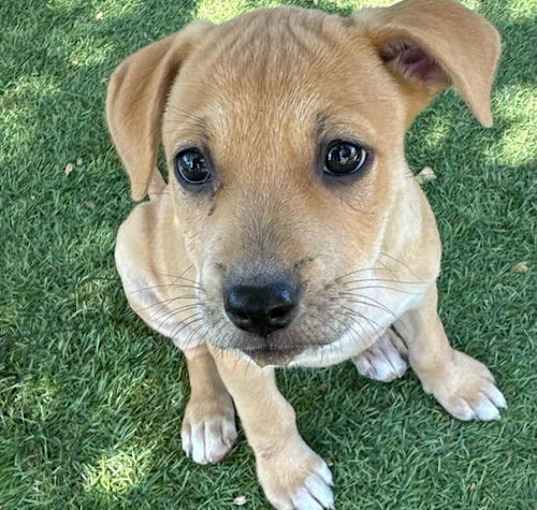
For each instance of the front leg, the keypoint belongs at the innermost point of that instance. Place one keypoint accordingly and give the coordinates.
(462, 385)
(208, 431)
(291, 474)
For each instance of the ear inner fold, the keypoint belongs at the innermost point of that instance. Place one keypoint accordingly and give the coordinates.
(439, 43)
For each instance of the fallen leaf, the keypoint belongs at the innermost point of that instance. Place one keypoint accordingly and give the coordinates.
(99, 16)
(426, 175)
(472, 487)
(521, 267)
(240, 501)
(68, 168)
(79, 161)
(90, 205)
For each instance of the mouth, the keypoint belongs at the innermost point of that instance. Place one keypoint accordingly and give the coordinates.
(277, 351)
(282, 347)
(271, 355)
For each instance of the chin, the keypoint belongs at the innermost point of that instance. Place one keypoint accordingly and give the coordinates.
(279, 349)
(269, 356)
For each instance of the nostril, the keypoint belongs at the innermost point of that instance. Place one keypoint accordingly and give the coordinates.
(240, 315)
(280, 312)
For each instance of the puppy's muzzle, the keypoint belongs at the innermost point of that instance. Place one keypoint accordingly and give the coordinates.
(261, 308)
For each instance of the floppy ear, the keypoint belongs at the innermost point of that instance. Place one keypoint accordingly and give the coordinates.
(136, 97)
(433, 44)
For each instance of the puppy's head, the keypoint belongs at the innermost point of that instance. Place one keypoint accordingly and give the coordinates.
(284, 134)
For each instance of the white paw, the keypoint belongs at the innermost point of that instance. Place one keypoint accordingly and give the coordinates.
(385, 360)
(207, 436)
(468, 392)
(296, 479)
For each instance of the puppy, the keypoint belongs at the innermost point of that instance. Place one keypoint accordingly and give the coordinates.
(291, 231)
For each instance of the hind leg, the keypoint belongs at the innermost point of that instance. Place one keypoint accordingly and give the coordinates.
(462, 385)
(385, 360)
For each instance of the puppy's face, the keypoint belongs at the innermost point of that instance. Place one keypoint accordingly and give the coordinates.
(296, 138)
(284, 132)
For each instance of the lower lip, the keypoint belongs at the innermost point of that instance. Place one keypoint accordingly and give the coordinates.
(273, 352)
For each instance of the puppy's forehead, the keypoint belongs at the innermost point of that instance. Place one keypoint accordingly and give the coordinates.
(272, 44)
(283, 70)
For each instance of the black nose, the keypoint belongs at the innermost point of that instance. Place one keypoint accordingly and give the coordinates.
(261, 309)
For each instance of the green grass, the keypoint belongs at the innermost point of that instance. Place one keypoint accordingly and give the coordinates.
(91, 400)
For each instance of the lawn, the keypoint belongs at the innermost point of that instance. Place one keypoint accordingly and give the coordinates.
(91, 400)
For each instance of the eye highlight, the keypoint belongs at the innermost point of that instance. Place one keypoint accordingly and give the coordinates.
(191, 167)
(344, 158)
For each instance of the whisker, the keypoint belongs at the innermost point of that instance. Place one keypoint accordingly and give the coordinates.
(170, 300)
(387, 280)
(354, 315)
(350, 273)
(186, 323)
(196, 332)
(385, 287)
(395, 259)
(376, 304)
(170, 285)
(181, 277)
(171, 314)
(369, 321)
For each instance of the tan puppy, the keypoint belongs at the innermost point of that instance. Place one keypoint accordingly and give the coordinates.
(291, 232)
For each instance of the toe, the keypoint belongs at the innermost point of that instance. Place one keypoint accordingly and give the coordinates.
(303, 500)
(186, 442)
(484, 409)
(495, 396)
(321, 491)
(396, 361)
(460, 409)
(316, 493)
(198, 444)
(215, 446)
(325, 473)
(229, 431)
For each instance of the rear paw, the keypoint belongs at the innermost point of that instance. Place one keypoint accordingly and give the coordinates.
(208, 431)
(385, 360)
(468, 391)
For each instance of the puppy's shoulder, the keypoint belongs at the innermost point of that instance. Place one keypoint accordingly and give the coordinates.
(141, 236)
(140, 221)
(412, 234)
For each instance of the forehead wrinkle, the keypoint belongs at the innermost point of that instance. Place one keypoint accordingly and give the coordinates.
(266, 131)
(344, 125)
(182, 125)
(272, 43)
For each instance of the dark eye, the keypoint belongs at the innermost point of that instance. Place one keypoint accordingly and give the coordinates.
(191, 167)
(344, 158)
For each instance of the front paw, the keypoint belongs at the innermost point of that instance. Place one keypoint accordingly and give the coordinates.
(296, 478)
(208, 431)
(467, 391)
